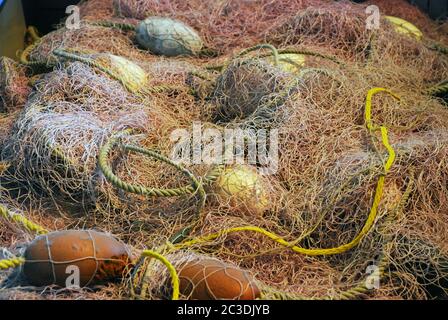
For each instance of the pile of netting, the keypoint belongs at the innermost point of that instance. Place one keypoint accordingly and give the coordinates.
(350, 203)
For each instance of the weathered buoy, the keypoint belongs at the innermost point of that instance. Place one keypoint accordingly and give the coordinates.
(405, 27)
(14, 87)
(290, 62)
(212, 279)
(168, 37)
(53, 257)
(242, 188)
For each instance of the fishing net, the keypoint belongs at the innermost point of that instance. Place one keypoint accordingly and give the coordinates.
(343, 29)
(411, 13)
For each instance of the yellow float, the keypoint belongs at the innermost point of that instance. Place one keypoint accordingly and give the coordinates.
(405, 27)
(243, 188)
(289, 62)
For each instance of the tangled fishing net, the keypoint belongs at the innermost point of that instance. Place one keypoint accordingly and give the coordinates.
(368, 180)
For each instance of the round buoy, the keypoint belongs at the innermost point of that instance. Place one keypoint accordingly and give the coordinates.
(243, 188)
(94, 256)
(405, 27)
(168, 37)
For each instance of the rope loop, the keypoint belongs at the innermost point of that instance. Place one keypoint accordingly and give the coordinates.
(170, 267)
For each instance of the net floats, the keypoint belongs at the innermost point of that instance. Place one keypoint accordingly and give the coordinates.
(200, 277)
(168, 37)
(242, 188)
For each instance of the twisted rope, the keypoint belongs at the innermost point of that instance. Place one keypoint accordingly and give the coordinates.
(91, 63)
(115, 25)
(34, 34)
(214, 174)
(164, 89)
(208, 53)
(24, 56)
(312, 53)
(200, 75)
(138, 189)
(15, 217)
(438, 47)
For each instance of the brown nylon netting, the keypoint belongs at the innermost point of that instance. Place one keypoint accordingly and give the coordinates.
(328, 163)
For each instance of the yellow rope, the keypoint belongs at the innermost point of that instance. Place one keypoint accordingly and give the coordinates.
(370, 219)
(19, 219)
(11, 263)
(171, 269)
